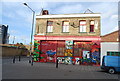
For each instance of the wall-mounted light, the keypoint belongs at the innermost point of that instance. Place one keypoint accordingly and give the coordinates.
(117, 39)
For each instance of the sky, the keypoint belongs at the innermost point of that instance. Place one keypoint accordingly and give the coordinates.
(19, 18)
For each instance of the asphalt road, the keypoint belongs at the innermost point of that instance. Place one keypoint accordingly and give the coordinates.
(24, 70)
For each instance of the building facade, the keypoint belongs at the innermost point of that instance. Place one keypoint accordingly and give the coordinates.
(4, 38)
(110, 44)
(71, 38)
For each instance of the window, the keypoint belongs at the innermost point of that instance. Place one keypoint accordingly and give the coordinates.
(50, 26)
(91, 26)
(113, 53)
(108, 53)
(96, 24)
(65, 26)
(83, 26)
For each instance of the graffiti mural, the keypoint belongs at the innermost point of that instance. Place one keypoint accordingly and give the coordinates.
(51, 52)
(95, 53)
(37, 52)
(89, 51)
(61, 60)
(68, 60)
(77, 60)
(96, 57)
(51, 55)
(69, 48)
(86, 54)
(43, 57)
(68, 52)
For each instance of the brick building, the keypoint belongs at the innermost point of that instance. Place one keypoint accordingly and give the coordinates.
(110, 44)
(69, 37)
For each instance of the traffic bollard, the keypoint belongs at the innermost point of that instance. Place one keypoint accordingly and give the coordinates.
(32, 61)
(19, 58)
(14, 59)
(57, 63)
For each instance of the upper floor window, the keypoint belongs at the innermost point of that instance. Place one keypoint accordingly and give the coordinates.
(92, 26)
(50, 26)
(83, 26)
(65, 26)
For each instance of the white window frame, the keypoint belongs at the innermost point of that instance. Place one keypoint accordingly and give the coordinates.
(82, 26)
(65, 27)
(96, 24)
(50, 27)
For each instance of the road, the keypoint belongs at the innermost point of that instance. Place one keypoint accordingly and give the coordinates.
(24, 70)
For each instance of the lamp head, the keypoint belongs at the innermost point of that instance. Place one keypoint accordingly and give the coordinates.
(25, 4)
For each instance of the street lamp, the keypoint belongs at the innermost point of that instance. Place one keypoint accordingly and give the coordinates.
(31, 30)
(13, 39)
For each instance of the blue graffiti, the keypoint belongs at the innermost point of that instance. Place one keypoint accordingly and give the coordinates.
(50, 52)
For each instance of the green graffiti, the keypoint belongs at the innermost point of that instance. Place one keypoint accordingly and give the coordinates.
(36, 53)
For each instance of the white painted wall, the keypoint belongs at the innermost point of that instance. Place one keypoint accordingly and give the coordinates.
(109, 46)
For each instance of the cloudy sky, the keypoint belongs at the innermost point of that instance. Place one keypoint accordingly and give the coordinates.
(19, 17)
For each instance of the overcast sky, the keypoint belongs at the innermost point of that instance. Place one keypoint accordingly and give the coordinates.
(19, 17)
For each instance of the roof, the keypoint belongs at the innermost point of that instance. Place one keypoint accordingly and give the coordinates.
(111, 33)
(111, 37)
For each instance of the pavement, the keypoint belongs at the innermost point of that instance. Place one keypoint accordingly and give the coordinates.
(23, 70)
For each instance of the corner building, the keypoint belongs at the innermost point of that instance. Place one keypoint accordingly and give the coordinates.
(70, 38)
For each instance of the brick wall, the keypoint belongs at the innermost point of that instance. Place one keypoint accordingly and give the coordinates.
(112, 37)
(41, 25)
(12, 51)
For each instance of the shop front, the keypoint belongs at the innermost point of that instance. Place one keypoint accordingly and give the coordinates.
(83, 50)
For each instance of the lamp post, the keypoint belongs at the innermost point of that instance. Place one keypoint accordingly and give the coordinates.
(31, 31)
(13, 39)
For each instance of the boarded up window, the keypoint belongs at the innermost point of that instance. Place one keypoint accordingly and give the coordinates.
(60, 51)
(60, 48)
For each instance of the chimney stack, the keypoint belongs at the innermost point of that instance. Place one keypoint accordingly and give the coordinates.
(45, 12)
